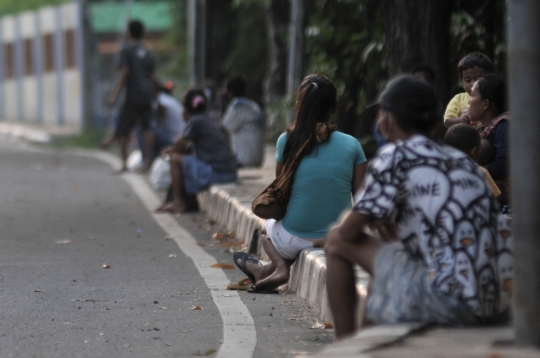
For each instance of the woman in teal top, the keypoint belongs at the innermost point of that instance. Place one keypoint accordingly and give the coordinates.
(331, 170)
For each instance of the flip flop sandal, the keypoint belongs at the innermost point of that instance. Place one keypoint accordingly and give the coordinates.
(263, 292)
(243, 257)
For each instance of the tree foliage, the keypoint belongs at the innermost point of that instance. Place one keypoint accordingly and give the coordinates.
(345, 40)
(10, 7)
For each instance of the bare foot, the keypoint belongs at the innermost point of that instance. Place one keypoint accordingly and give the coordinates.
(144, 169)
(121, 171)
(272, 282)
(170, 209)
(258, 271)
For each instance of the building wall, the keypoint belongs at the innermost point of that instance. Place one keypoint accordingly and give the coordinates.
(40, 77)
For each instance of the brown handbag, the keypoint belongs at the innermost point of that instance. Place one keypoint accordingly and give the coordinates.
(272, 202)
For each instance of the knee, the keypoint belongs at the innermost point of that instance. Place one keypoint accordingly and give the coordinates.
(333, 242)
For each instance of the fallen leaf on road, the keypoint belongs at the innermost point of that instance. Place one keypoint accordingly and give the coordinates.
(201, 244)
(241, 285)
(67, 241)
(218, 236)
(324, 325)
(328, 325)
(74, 187)
(227, 244)
(38, 291)
(105, 266)
(196, 308)
(221, 265)
(173, 255)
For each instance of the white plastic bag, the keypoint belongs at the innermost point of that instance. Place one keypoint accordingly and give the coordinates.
(160, 174)
(134, 160)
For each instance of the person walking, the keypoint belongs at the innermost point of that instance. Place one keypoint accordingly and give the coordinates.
(136, 71)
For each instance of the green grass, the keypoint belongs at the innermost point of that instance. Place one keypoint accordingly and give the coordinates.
(90, 139)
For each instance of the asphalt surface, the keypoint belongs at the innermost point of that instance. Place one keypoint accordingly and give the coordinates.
(63, 218)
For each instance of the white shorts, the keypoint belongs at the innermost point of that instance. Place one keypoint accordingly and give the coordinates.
(286, 244)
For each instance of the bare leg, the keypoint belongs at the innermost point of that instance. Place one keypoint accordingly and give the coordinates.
(105, 143)
(341, 283)
(177, 206)
(282, 267)
(123, 143)
(258, 271)
(148, 150)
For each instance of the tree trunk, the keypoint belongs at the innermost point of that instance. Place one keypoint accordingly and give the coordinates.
(417, 33)
(275, 84)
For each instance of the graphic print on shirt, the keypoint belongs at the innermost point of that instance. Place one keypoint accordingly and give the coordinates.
(446, 215)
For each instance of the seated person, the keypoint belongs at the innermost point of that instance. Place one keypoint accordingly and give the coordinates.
(488, 106)
(467, 139)
(471, 68)
(245, 122)
(168, 121)
(444, 250)
(331, 168)
(213, 161)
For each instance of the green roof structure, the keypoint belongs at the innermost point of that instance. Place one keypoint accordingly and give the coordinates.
(111, 17)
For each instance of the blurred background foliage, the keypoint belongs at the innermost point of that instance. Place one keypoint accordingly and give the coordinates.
(344, 39)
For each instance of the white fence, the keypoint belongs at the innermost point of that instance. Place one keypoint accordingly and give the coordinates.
(41, 62)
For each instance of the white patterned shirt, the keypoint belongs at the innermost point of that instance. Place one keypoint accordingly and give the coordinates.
(446, 215)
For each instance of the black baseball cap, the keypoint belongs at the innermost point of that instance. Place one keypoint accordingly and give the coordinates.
(411, 96)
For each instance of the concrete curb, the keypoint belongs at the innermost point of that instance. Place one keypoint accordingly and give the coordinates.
(369, 339)
(229, 205)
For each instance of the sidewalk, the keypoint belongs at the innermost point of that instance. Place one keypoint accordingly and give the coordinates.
(230, 205)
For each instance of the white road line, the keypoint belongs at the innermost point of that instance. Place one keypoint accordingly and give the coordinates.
(239, 333)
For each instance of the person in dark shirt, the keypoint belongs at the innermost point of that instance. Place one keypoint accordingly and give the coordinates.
(136, 71)
(487, 105)
(213, 161)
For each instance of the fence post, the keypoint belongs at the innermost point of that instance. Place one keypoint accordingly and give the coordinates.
(524, 94)
(294, 67)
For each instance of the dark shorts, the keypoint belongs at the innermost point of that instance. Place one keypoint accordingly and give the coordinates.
(130, 116)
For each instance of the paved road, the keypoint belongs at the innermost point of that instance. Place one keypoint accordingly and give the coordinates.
(63, 217)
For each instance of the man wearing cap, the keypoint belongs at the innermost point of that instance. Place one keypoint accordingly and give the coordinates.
(443, 252)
